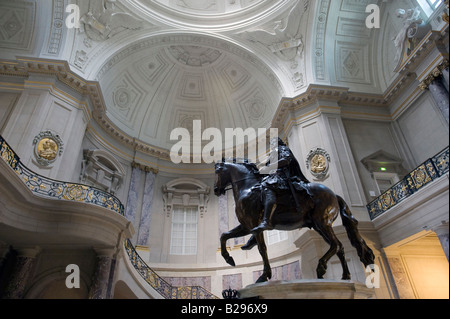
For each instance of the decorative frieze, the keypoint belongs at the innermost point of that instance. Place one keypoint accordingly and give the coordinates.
(103, 20)
(144, 168)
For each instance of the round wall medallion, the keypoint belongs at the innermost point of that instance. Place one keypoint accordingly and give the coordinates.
(318, 162)
(47, 147)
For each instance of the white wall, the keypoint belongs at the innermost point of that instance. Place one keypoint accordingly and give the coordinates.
(366, 138)
(424, 129)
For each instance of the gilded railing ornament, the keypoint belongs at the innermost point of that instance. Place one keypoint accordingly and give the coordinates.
(165, 289)
(42, 186)
(47, 147)
(426, 173)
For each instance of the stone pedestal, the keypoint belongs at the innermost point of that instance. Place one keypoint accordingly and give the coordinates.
(308, 289)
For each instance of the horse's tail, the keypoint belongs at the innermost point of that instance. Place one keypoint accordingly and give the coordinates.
(351, 226)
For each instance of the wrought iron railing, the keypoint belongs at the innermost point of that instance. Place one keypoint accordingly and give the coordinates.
(165, 289)
(423, 175)
(49, 188)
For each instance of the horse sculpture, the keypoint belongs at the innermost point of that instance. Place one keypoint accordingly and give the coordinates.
(319, 207)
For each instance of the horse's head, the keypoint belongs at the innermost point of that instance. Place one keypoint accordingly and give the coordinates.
(234, 173)
(223, 178)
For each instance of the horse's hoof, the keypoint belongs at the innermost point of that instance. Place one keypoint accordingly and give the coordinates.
(321, 270)
(262, 227)
(230, 261)
(248, 246)
(346, 277)
(321, 273)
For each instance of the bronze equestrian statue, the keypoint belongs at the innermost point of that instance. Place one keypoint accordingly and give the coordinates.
(285, 200)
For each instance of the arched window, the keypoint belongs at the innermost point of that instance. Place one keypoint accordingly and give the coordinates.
(101, 169)
(185, 202)
(184, 230)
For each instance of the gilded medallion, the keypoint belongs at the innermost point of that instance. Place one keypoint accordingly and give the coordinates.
(317, 162)
(48, 147)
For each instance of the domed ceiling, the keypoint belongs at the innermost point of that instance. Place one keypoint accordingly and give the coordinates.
(185, 60)
(168, 81)
(162, 64)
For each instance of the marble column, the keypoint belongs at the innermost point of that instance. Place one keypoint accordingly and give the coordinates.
(21, 273)
(133, 193)
(445, 75)
(101, 277)
(223, 214)
(146, 212)
(442, 233)
(440, 95)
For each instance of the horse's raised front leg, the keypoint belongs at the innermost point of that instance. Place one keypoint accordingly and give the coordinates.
(267, 272)
(239, 231)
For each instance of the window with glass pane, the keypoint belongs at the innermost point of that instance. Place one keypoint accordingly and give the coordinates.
(275, 236)
(184, 231)
(428, 6)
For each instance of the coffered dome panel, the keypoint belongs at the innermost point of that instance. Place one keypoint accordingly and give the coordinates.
(206, 14)
(153, 89)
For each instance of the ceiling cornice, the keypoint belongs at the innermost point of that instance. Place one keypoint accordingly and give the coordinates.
(26, 67)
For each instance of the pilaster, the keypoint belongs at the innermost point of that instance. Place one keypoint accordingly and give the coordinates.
(442, 231)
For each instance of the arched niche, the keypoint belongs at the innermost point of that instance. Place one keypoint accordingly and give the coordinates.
(101, 169)
(186, 192)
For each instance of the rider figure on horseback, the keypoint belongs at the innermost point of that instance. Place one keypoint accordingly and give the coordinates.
(287, 177)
